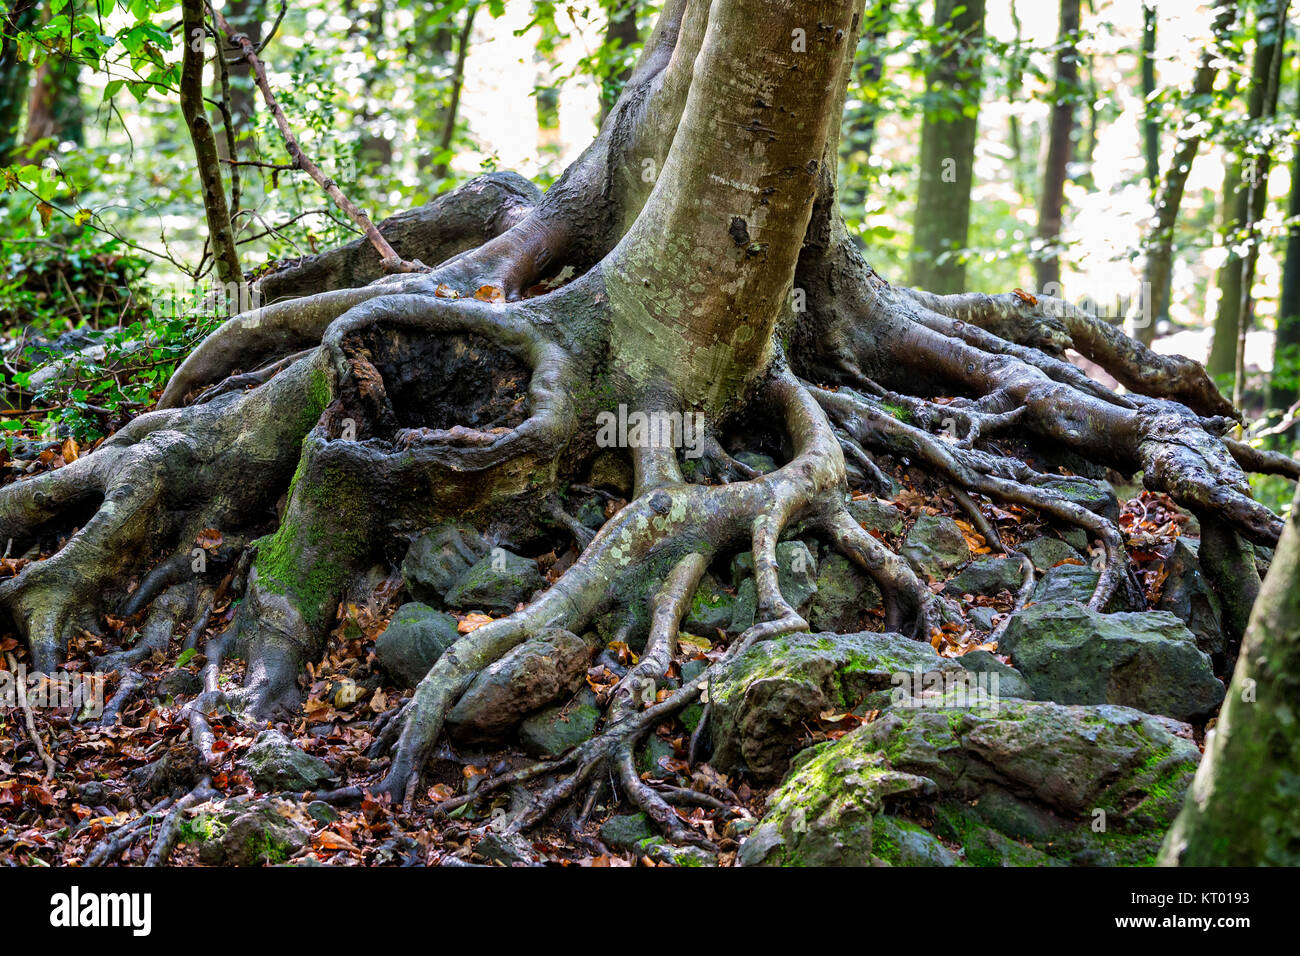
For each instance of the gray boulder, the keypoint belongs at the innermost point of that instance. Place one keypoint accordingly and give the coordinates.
(988, 575)
(1189, 597)
(500, 581)
(535, 673)
(1047, 553)
(844, 595)
(711, 609)
(935, 546)
(763, 701)
(1025, 784)
(413, 641)
(436, 559)
(876, 515)
(1076, 582)
(275, 763)
(560, 727)
(1144, 659)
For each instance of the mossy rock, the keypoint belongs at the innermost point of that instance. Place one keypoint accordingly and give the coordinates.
(554, 730)
(500, 582)
(1077, 582)
(844, 596)
(762, 701)
(711, 610)
(275, 763)
(533, 674)
(876, 515)
(1143, 659)
(827, 812)
(988, 575)
(413, 641)
(438, 558)
(935, 546)
(1046, 553)
(245, 836)
(1085, 784)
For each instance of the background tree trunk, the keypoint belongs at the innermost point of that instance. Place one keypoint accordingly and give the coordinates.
(14, 76)
(1060, 147)
(942, 220)
(620, 32)
(1284, 387)
(1160, 240)
(1150, 126)
(54, 111)
(1245, 206)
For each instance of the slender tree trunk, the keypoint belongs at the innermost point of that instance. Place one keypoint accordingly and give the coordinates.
(443, 169)
(14, 75)
(948, 133)
(1284, 387)
(1150, 127)
(1017, 65)
(221, 236)
(54, 111)
(1060, 147)
(1242, 808)
(620, 32)
(1246, 205)
(859, 129)
(233, 83)
(1160, 239)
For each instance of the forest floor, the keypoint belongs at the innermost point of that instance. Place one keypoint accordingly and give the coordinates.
(96, 789)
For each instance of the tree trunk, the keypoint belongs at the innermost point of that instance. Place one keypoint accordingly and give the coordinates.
(221, 236)
(620, 32)
(443, 169)
(1246, 205)
(1150, 126)
(1160, 239)
(1284, 386)
(14, 75)
(942, 222)
(54, 112)
(1060, 147)
(1241, 808)
(690, 265)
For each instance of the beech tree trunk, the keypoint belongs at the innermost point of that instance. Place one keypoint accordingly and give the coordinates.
(1060, 147)
(1244, 204)
(1169, 198)
(942, 221)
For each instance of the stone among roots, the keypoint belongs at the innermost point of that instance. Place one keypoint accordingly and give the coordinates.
(560, 727)
(1189, 597)
(1148, 660)
(275, 763)
(844, 595)
(535, 673)
(764, 701)
(935, 546)
(436, 560)
(1025, 784)
(413, 641)
(501, 581)
(258, 836)
(1047, 553)
(987, 575)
